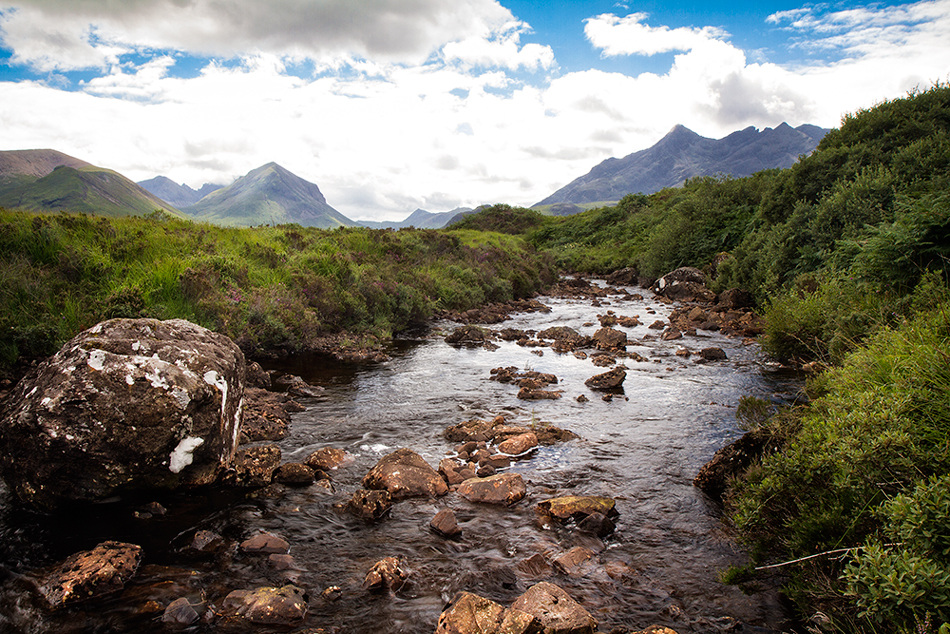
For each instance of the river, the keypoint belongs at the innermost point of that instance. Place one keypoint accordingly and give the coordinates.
(642, 448)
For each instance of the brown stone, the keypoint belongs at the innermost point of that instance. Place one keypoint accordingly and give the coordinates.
(578, 507)
(267, 606)
(445, 524)
(180, 613)
(370, 505)
(386, 574)
(293, 474)
(254, 466)
(517, 445)
(728, 463)
(327, 458)
(712, 354)
(528, 394)
(504, 488)
(610, 339)
(128, 404)
(608, 380)
(90, 574)
(555, 609)
(404, 473)
(265, 544)
(570, 562)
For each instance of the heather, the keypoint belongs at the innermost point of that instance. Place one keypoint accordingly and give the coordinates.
(272, 289)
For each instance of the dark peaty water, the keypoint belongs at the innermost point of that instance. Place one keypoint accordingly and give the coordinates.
(642, 448)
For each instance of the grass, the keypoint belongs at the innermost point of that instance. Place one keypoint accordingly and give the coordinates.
(271, 289)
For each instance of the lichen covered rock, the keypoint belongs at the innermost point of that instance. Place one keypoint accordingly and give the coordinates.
(127, 404)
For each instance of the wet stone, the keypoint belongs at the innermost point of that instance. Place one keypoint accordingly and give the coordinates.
(578, 507)
(504, 488)
(370, 505)
(570, 563)
(598, 524)
(608, 380)
(517, 445)
(265, 543)
(267, 606)
(90, 574)
(254, 466)
(294, 474)
(712, 354)
(386, 574)
(326, 459)
(405, 474)
(204, 542)
(180, 613)
(445, 524)
(555, 609)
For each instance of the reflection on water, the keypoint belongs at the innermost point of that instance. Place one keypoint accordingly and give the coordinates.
(643, 449)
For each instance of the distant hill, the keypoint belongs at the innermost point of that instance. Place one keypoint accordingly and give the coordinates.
(420, 219)
(35, 163)
(268, 195)
(683, 154)
(175, 194)
(47, 180)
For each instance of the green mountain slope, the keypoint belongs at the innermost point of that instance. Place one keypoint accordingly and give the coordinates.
(92, 190)
(268, 195)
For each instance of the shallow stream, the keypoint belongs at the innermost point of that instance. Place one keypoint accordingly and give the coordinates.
(642, 448)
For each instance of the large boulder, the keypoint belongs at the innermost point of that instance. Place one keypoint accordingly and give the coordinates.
(405, 474)
(127, 404)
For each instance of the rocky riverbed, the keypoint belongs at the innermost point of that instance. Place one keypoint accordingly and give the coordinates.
(483, 470)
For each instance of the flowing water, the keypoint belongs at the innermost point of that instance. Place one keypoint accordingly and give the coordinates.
(642, 448)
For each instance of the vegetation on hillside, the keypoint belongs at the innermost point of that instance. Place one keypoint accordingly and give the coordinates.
(269, 288)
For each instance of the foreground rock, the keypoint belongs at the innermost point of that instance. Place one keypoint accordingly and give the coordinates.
(504, 488)
(469, 613)
(554, 608)
(404, 474)
(128, 404)
(91, 574)
(285, 606)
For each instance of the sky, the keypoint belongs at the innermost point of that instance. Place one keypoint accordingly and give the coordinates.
(393, 105)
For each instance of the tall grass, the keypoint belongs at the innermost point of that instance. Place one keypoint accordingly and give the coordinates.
(269, 288)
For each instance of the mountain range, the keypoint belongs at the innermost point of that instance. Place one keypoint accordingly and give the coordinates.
(683, 154)
(178, 195)
(47, 180)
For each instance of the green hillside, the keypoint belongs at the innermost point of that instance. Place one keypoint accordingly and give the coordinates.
(87, 190)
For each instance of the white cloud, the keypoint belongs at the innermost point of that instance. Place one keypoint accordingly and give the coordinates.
(501, 50)
(630, 36)
(70, 34)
